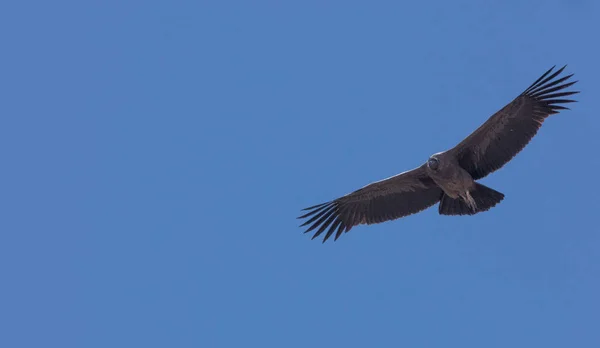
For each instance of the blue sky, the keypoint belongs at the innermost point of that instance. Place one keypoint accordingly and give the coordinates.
(156, 156)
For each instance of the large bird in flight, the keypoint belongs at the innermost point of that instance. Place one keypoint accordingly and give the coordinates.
(449, 177)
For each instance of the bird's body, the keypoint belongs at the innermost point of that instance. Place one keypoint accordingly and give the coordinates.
(449, 177)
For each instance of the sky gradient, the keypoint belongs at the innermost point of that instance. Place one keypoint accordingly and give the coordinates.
(156, 155)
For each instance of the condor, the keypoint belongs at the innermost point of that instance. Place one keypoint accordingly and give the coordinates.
(449, 177)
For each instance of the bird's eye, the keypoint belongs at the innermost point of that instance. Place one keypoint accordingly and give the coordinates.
(433, 163)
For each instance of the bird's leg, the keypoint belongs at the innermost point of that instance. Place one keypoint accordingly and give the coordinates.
(470, 201)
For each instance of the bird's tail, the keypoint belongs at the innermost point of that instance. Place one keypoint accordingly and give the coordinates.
(483, 197)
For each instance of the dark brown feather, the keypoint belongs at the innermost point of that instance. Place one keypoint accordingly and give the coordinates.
(509, 130)
(401, 195)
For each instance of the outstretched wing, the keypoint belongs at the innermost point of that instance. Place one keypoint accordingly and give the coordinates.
(509, 130)
(401, 195)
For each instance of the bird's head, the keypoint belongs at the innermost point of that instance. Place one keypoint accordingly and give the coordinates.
(433, 163)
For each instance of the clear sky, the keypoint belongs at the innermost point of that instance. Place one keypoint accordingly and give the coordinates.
(155, 156)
